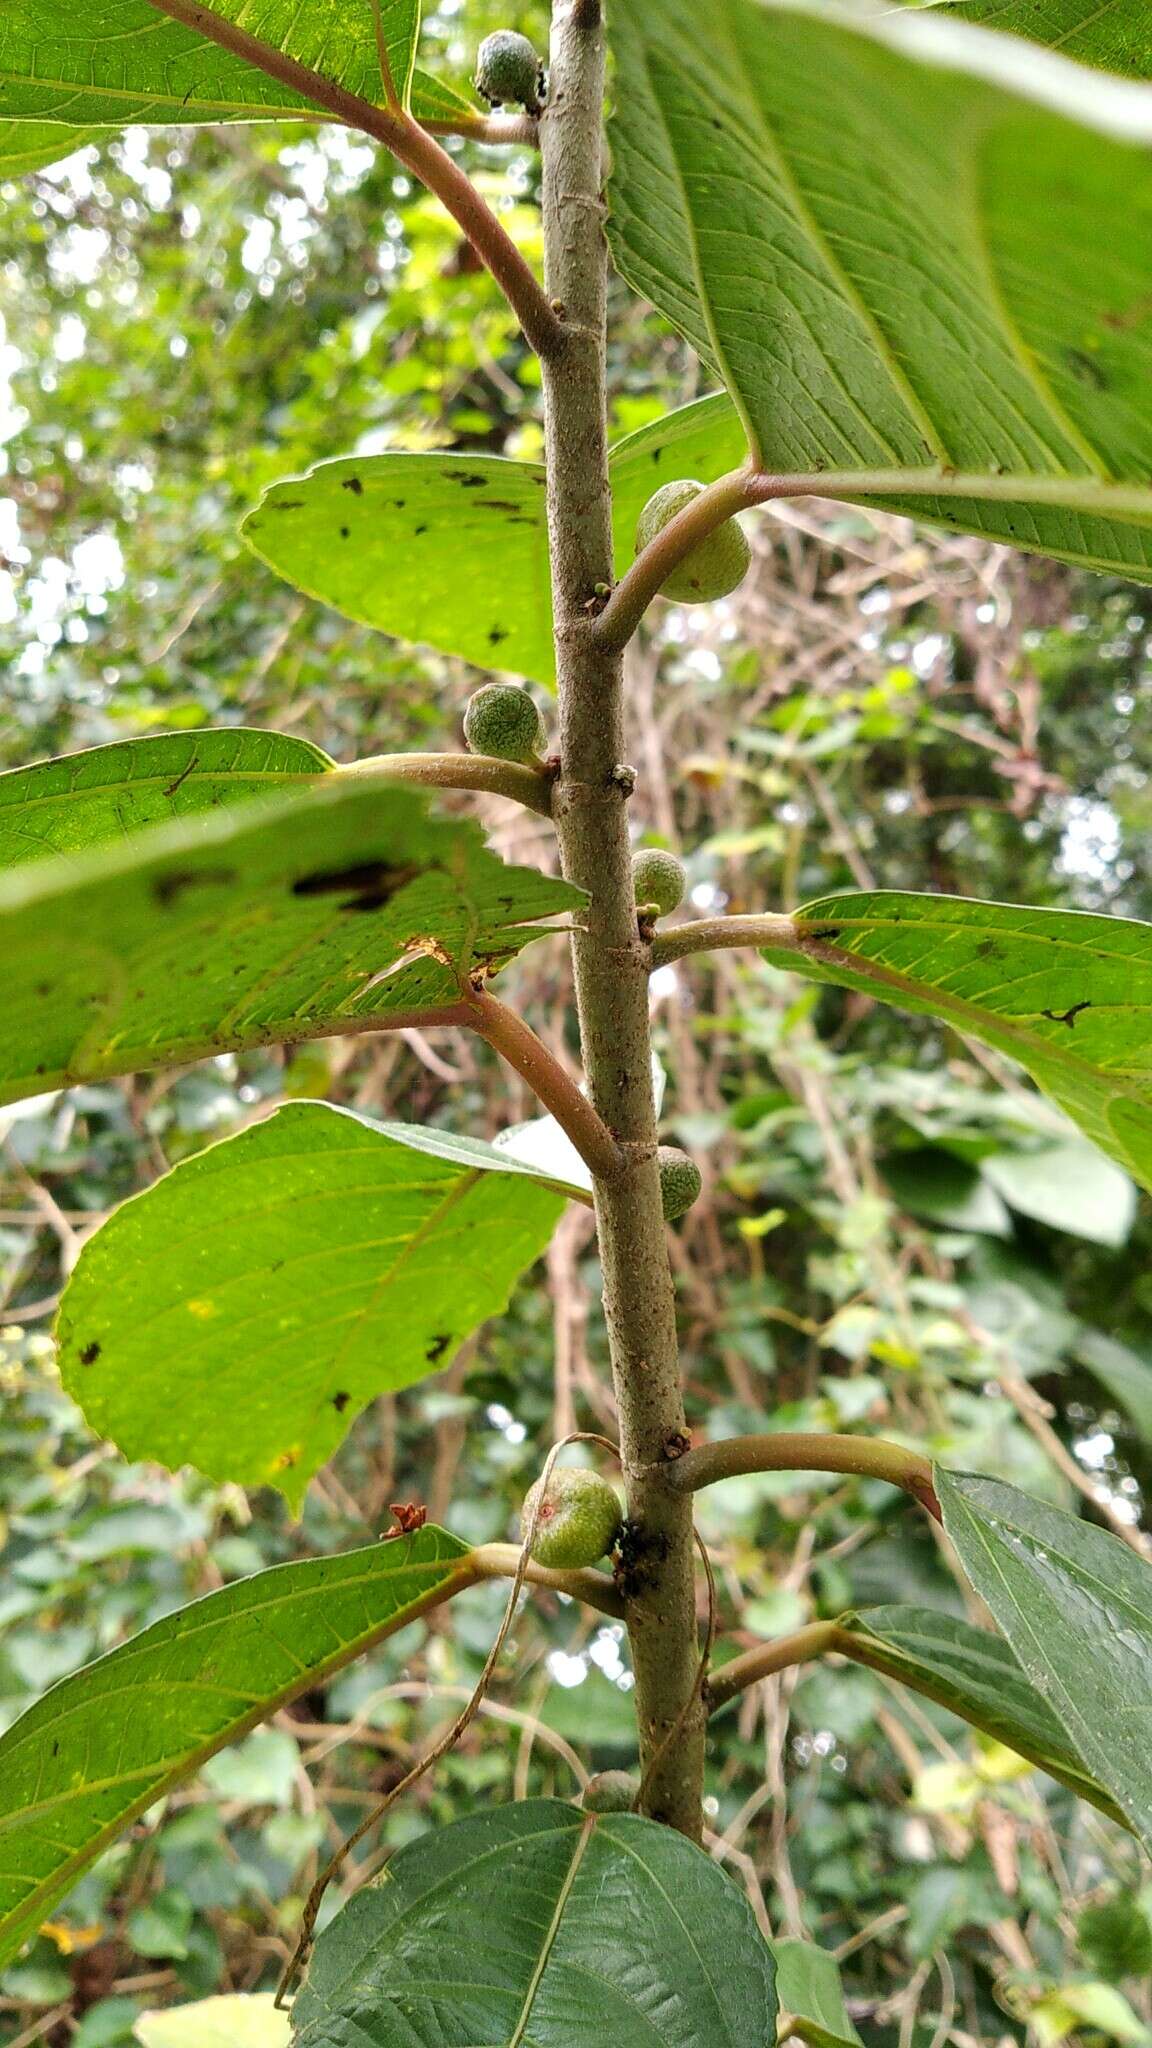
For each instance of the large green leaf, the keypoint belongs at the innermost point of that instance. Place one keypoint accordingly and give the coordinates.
(1067, 994)
(238, 1315)
(870, 266)
(537, 1923)
(973, 1673)
(1076, 1606)
(104, 1744)
(811, 1995)
(1115, 35)
(118, 61)
(29, 145)
(277, 921)
(452, 550)
(107, 793)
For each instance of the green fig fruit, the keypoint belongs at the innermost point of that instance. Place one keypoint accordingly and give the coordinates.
(579, 1521)
(610, 1792)
(509, 71)
(715, 566)
(680, 1181)
(501, 719)
(658, 879)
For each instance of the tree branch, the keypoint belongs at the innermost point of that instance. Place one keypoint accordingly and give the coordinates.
(517, 1043)
(611, 960)
(527, 786)
(710, 933)
(816, 1640)
(413, 146)
(497, 130)
(807, 1451)
(501, 1561)
(654, 564)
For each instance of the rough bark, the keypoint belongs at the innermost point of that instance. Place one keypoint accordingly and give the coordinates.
(612, 960)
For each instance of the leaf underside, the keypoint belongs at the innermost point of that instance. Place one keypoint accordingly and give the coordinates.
(811, 1995)
(608, 1929)
(30, 145)
(977, 1676)
(1076, 1606)
(869, 267)
(119, 61)
(290, 1274)
(1066, 993)
(1115, 35)
(104, 1744)
(78, 801)
(281, 920)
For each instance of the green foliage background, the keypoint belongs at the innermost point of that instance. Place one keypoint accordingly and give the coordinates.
(900, 1233)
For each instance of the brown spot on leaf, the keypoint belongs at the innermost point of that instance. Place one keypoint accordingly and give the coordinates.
(353, 484)
(438, 1346)
(1067, 1017)
(370, 884)
(468, 479)
(167, 889)
(340, 1401)
(285, 504)
(91, 1352)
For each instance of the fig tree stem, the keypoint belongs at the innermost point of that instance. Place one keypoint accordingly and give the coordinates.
(517, 1043)
(612, 960)
(807, 1451)
(527, 786)
(412, 145)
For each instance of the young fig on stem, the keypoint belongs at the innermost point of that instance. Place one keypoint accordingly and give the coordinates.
(715, 565)
(658, 879)
(610, 1792)
(501, 719)
(680, 1181)
(509, 72)
(579, 1521)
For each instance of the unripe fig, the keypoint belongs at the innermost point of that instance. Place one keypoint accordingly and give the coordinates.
(658, 879)
(579, 1520)
(610, 1792)
(501, 719)
(680, 1181)
(509, 71)
(715, 566)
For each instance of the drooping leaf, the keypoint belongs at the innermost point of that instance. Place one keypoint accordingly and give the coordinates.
(29, 145)
(1114, 35)
(239, 2020)
(104, 1744)
(451, 551)
(1066, 993)
(107, 793)
(811, 1995)
(563, 1926)
(1076, 1606)
(238, 1315)
(120, 61)
(1068, 1185)
(976, 1675)
(1124, 1372)
(869, 267)
(278, 921)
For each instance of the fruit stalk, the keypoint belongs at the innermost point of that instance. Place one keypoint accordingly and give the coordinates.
(611, 957)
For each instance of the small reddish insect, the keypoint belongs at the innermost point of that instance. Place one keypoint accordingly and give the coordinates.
(407, 1517)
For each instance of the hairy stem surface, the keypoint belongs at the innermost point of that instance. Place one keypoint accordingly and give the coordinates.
(612, 961)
